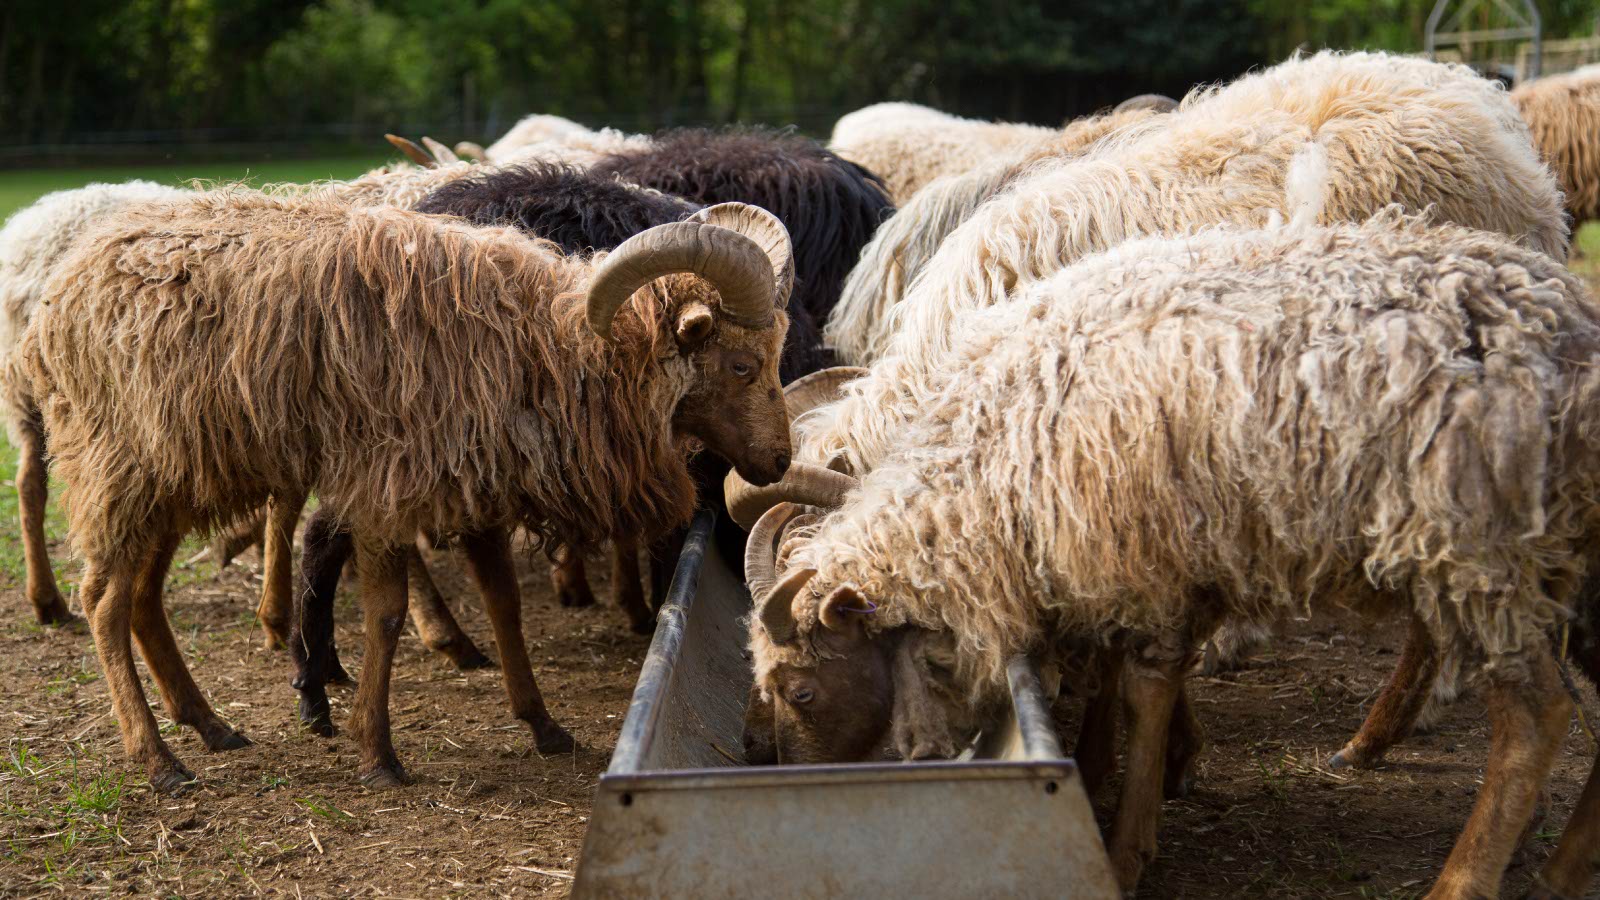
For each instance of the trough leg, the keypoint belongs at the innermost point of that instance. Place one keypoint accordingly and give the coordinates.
(489, 558)
(383, 606)
(326, 547)
(1096, 753)
(33, 496)
(108, 593)
(627, 586)
(183, 698)
(277, 568)
(1150, 687)
(1528, 720)
(568, 577)
(438, 628)
(1395, 712)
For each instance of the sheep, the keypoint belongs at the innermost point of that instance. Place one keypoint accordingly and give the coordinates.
(1563, 113)
(861, 326)
(830, 207)
(1331, 137)
(31, 243)
(580, 214)
(911, 145)
(1182, 432)
(534, 129)
(419, 374)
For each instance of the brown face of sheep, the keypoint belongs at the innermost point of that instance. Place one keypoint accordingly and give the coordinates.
(839, 706)
(735, 406)
(728, 273)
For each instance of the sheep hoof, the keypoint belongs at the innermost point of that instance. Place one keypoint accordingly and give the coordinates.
(315, 714)
(1179, 788)
(553, 739)
(170, 777)
(220, 739)
(464, 654)
(385, 777)
(337, 674)
(53, 612)
(575, 596)
(1351, 758)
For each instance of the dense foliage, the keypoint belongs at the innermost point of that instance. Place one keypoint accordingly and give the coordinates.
(256, 68)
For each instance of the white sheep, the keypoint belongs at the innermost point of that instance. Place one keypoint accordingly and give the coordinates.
(1225, 427)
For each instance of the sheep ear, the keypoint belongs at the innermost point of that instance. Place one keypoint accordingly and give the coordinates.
(843, 609)
(694, 325)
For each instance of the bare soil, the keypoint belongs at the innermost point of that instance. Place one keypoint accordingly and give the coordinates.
(487, 816)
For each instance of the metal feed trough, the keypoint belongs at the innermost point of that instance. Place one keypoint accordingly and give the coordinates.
(677, 814)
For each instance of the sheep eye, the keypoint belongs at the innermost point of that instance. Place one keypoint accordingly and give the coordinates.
(743, 369)
(801, 695)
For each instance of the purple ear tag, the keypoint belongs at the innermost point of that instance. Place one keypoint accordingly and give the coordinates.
(870, 608)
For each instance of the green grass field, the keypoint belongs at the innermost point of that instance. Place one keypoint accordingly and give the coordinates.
(20, 187)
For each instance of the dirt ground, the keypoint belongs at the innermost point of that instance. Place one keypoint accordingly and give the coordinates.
(488, 816)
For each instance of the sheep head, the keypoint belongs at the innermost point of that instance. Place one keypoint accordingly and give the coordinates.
(829, 687)
(726, 275)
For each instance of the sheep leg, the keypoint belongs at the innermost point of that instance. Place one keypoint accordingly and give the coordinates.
(1186, 737)
(1150, 686)
(183, 698)
(383, 605)
(242, 535)
(489, 558)
(1398, 705)
(33, 496)
(1528, 721)
(439, 630)
(1572, 866)
(568, 577)
(626, 584)
(108, 589)
(663, 565)
(1096, 753)
(326, 547)
(277, 563)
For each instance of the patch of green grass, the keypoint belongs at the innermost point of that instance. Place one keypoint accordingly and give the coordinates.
(323, 808)
(20, 187)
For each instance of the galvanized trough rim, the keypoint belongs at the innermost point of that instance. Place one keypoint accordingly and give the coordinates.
(1038, 731)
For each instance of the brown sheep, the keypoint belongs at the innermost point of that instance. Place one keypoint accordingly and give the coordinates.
(1563, 113)
(193, 358)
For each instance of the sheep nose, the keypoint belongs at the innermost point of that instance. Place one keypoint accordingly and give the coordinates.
(781, 463)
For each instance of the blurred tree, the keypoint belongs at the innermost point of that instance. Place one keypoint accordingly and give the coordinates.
(469, 68)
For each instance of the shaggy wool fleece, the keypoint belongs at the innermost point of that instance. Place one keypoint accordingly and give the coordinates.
(417, 372)
(33, 240)
(1391, 415)
(1328, 138)
(1563, 112)
(860, 327)
(909, 145)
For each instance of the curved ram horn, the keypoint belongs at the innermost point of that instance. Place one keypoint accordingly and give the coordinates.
(440, 152)
(1159, 103)
(761, 551)
(818, 389)
(766, 230)
(472, 151)
(803, 483)
(777, 607)
(735, 264)
(411, 150)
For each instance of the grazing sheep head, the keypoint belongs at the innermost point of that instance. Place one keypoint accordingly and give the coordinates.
(830, 687)
(730, 272)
